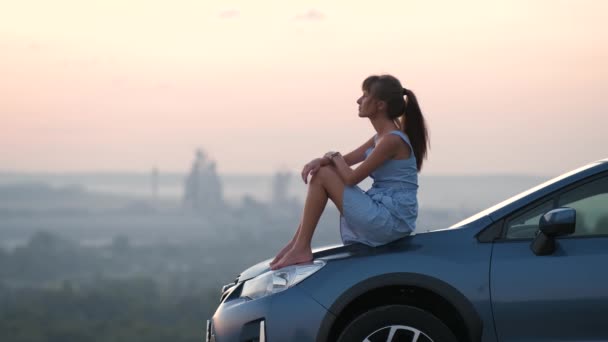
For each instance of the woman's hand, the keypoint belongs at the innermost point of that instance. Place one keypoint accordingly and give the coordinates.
(311, 168)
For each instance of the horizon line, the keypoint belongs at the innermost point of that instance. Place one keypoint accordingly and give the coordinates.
(4, 172)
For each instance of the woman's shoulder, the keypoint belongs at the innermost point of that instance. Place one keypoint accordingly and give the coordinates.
(399, 134)
(394, 143)
(389, 139)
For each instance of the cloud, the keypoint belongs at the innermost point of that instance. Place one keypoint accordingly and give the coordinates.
(311, 15)
(227, 14)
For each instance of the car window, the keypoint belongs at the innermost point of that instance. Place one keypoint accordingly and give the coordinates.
(590, 201)
(525, 225)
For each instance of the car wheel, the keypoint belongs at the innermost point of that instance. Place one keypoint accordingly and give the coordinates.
(397, 323)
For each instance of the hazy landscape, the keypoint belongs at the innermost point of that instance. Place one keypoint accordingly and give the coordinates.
(93, 208)
(142, 256)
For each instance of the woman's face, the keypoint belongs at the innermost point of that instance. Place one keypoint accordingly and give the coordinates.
(367, 105)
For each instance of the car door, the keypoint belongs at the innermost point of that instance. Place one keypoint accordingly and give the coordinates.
(562, 296)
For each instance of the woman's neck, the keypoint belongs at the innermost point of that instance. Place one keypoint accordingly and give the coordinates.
(383, 126)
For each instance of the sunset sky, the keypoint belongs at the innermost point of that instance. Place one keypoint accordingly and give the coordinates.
(514, 86)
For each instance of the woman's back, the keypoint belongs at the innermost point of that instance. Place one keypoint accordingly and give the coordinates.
(396, 173)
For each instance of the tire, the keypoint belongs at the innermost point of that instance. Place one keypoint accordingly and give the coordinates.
(406, 321)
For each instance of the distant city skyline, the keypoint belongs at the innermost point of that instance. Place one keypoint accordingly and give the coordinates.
(508, 87)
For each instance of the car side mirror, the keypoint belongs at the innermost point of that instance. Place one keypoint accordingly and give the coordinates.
(557, 222)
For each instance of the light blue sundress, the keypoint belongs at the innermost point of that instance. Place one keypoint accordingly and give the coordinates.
(388, 210)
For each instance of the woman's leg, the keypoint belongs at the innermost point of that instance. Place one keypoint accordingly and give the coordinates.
(324, 185)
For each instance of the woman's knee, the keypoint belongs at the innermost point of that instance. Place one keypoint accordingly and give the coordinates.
(324, 173)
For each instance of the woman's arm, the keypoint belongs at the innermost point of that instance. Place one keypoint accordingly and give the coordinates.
(358, 155)
(352, 158)
(386, 148)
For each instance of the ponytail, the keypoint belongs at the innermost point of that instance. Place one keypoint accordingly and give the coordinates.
(414, 126)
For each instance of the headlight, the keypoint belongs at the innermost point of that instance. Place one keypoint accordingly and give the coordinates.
(276, 281)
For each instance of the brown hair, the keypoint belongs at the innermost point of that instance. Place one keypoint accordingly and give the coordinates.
(387, 88)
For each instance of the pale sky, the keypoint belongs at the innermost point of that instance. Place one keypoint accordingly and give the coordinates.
(513, 86)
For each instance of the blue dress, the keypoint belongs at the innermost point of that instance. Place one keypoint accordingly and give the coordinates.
(388, 210)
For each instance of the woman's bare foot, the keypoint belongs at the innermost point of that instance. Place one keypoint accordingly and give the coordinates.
(296, 255)
(281, 253)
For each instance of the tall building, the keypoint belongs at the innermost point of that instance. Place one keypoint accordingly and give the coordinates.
(203, 188)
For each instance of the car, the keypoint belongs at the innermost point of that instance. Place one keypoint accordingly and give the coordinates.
(532, 268)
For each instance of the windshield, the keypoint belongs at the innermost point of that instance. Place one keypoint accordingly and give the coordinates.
(520, 196)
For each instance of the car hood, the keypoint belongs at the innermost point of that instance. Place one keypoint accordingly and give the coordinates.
(334, 252)
(408, 243)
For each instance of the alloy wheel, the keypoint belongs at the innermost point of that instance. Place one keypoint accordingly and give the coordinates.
(397, 333)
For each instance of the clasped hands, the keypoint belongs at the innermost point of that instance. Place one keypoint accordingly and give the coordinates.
(313, 166)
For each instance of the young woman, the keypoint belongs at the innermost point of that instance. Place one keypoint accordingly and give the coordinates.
(392, 157)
